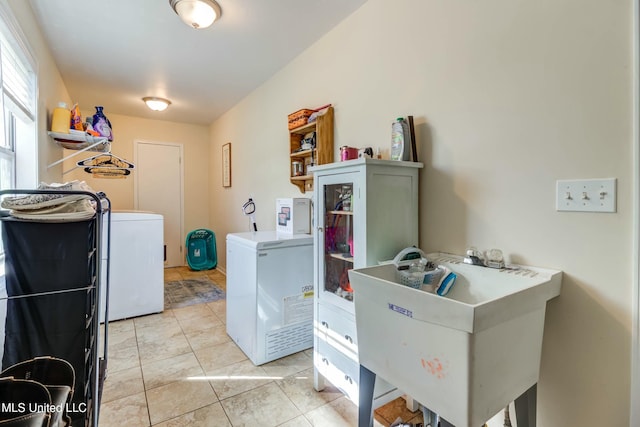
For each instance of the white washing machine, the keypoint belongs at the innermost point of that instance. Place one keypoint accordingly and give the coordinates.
(270, 293)
(136, 271)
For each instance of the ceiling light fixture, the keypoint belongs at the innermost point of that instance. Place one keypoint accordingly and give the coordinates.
(155, 103)
(197, 13)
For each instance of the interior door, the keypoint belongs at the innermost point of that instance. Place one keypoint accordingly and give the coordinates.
(159, 188)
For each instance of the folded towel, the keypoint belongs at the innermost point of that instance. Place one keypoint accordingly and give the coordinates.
(48, 199)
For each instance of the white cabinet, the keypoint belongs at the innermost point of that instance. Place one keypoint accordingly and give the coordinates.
(366, 211)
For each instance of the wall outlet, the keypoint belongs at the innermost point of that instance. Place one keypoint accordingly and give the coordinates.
(586, 195)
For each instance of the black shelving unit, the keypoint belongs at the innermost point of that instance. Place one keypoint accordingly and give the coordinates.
(53, 281)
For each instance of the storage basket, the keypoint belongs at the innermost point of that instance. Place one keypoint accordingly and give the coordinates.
(299, 118)
(201, 249)
(416, 280)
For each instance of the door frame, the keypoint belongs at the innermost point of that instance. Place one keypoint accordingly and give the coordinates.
(634, 400)
(136, 144)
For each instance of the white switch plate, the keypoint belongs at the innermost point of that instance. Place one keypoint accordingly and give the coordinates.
(586, 195)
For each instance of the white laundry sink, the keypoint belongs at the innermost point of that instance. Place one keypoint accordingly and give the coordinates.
(465, 355)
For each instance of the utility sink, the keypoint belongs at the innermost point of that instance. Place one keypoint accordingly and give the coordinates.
(465, 355)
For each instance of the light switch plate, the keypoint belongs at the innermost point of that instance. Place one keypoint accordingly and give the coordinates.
(586, 195)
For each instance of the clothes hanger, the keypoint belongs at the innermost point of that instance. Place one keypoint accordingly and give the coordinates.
(106, 160)
(107, 172)
(106, 165)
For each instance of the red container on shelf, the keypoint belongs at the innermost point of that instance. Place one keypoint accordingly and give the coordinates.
(348, 153)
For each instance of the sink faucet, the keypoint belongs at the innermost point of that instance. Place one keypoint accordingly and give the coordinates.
(474, 257)
(494, 258)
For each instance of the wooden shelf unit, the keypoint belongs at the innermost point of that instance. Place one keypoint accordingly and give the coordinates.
(322, 154)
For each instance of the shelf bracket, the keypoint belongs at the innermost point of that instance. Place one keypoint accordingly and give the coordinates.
(69, 170)
(95, 144)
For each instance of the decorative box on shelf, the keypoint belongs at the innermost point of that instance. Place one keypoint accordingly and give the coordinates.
(299, 118)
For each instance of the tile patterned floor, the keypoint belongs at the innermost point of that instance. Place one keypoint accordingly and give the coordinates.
(179, 368)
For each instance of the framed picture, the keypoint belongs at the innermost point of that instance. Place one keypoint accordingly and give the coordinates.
(226, 165)
(412, 132)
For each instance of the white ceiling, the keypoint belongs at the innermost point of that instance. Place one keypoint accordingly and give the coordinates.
(114, 52)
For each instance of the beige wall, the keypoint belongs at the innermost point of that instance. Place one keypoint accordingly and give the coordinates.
(508, 97)
(127, 130)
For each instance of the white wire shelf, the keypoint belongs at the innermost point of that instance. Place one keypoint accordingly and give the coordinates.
(80, 142)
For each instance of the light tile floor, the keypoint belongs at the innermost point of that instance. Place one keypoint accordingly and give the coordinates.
(179, 368)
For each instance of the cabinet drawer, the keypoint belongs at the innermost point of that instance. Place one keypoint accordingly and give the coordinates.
(338, 369)
(338, 326)
(342, 371)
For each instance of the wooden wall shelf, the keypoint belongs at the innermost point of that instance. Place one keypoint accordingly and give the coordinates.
(322, 154)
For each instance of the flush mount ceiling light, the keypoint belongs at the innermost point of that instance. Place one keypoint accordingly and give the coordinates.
(197, 13)
(155, 103)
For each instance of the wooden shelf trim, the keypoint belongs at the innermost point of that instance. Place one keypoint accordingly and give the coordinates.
(302, 154)
(304, 129)
(341, 256)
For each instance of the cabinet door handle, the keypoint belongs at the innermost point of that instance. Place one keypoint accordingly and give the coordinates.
(348, 338)
(325, 324)
(325, 361)
(348, 378)
(320, 229)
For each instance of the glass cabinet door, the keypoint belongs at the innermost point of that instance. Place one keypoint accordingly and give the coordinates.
(338, 215)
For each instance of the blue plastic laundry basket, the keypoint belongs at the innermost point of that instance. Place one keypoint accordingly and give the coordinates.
(201, 249)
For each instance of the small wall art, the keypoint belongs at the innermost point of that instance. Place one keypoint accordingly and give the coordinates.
(226, 165)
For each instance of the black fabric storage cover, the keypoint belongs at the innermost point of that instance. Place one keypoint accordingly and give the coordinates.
(43, 259)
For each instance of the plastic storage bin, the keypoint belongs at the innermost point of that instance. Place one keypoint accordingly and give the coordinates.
(201, 249)
(418, 280)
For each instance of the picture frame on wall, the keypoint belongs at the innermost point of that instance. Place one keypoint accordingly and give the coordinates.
(226, 165)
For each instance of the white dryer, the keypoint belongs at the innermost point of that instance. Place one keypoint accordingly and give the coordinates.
(136, 271)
